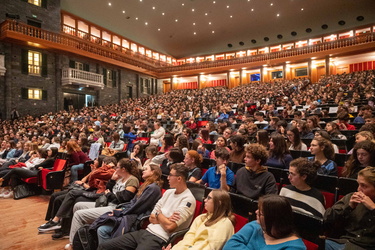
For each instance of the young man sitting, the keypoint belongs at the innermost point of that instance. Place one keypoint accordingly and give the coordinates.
(173, 212)
(219, 176)
(254, 180)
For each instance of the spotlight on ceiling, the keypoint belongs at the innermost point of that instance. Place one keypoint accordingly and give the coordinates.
(293, 33)
(308, 30)
(324, 26)
(266, 39)
(279, 36)
(360, 18)
(241, 43)
(341, 22)
(230, 45)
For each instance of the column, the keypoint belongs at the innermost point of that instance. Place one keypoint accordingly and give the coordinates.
(327, 66)
(284, 71)
(199, 81)
(228, 79)
(309, 64)
(241, 82)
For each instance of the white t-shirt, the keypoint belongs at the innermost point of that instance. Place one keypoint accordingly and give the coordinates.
(170, 203)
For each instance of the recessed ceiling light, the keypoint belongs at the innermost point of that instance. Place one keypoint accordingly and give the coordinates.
(278, 15)
(227, 6)
(213, 31)
(231, 16)
(158, 29)
(195, 33)
(301, 9)
(123, 11)
(140, 0)
(214, 2)
(206, 14)
(183, 4)
(153, 7)
(252, 9)
(193, 23)
(146, 23)
(163, 13)
(271, 4)
(136, 18)
(192, 10)
(109, 4)
(176, 20)
(209, 23)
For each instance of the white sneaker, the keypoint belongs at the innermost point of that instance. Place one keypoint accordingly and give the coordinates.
(68, 246)
(8, 195)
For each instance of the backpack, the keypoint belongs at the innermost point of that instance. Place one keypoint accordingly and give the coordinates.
(84, 239)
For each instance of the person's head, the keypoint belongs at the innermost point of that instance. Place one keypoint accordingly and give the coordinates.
(222, 156)
(322, 134)
(331, 127)
(151, 152)
(363, 136)
(302, 126)
(127, 166)
(364, 152)
(278, 146)
(27, 146)
(52, 152)
(275, 216)
(366, 182)
(262, 137)
(221, 142)
(293, 136)
(193, 159)
(343, 117)
(43, 153)
(204, 133)
(168, 140)
(237, 142)
(109, 161)
(157, 125)
(255, 154)
(187, 132)
(138, 150)
(175, 155)
(218, 205)
(312, 122)
(182, 142)
(150, 174)
(302, 171)
(116, 136)
(227, 133)
(259, 116)
(11, 144)
(72, 146)
(178, 175)
(322, 146)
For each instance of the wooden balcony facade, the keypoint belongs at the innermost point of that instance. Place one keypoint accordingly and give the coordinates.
(108, 52)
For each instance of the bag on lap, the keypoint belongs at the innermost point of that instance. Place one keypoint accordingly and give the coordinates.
(84, 239)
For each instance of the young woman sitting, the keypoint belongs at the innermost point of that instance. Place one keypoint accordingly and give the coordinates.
(363, 156)
(323, 152)
(279, 153)
(221, 142)
(192, 161)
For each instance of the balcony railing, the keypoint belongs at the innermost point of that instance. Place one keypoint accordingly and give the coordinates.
(76, 76)
(14, 29)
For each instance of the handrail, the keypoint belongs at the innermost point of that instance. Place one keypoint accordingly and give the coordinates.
(95, 45)
(89, 78)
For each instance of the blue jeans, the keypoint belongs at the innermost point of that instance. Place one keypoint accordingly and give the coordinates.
(74, 172)
(104, 233)
(332, 245)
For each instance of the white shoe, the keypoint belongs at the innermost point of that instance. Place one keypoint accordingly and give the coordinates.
(8, 195)
(68, 246)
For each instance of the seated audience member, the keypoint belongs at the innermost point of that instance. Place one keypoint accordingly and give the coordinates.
(323, 152)
(171, 157)
(116, 145)
(204, 137)
(59, 210)
(166, 143)
(355, 215)
(173, 212)
(201, 149)
(263, 138)
(182, 143)
(77, 159)
(363, 111)
(259, 117)
(254, 180)
(304, 131)
(188, 133)
(325, 135)
(273, 228)
(295, 139)
(219, 176)
(279, 153)
(191, 124)
(299, 193)
(362, 136)
(237, 154)
(137, 154)
(363, 155)
(221, 142)
(211, 128)
(157, 135)
(142, 203)
(343, 124)
(334, 132)
(312, 122)
(41, 159)
(227, 133)
(192, 161)
(177, 128)
(129, 137)
(210, 230)
(151, 152)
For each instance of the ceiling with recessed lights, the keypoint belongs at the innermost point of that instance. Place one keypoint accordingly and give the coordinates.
(184, 28)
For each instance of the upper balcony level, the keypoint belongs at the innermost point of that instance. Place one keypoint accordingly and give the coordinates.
(72, 76)
(113, 53)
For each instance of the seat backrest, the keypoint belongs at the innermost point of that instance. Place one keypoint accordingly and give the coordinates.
(198, 190)
(326, 183)
(347, 185)
(240, 222)
(330, 199)
(59, 165)
(235, 166)
(308, 227)
(244, 206)
(310, 245)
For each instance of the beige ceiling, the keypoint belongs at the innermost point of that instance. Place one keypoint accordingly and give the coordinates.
(221, 22)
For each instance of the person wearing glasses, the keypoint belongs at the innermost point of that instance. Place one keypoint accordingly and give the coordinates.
(273, 228)
(355, 214)
(294, 139)
(212, 229)
(173, 212)
(299, 193)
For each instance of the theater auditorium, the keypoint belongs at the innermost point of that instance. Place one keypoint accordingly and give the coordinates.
(212, 124)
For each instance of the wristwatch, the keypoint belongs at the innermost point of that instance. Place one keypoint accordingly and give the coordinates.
(156, 214)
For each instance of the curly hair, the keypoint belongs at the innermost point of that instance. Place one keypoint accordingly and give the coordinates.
(307, 168)
(258, 152)
(328, 150)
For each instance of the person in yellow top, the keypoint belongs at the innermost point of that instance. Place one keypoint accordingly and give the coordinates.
(212, 229)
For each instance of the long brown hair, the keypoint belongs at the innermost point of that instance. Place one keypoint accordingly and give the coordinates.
(222, 207)
(72, 146)
(155, 178)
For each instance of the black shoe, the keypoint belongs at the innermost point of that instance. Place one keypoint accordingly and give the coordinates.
(50, 225)
(59, 235)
